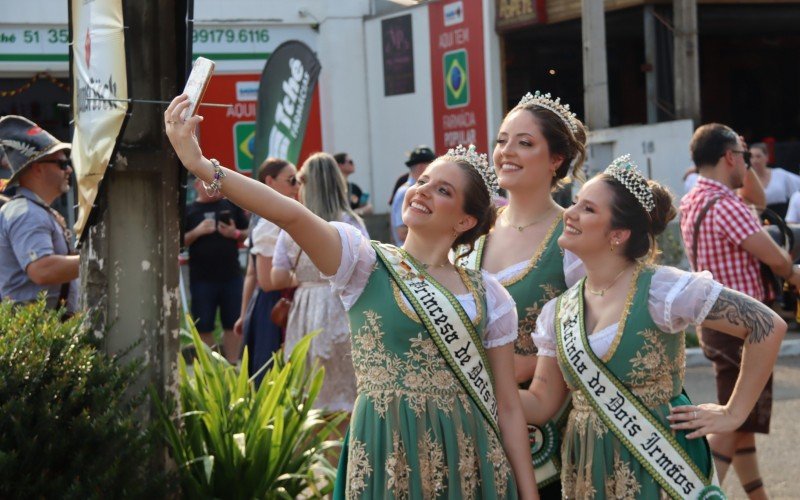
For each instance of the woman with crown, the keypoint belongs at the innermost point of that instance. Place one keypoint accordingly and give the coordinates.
(540, 143)
(615, 340)
(437, 412)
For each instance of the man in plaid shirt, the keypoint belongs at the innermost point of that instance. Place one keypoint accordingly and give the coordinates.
(730, 243)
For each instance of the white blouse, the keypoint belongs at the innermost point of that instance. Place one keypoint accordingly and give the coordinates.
(677, 299)
(782, 184)
(573, 269)
(264, 237)
(358, 262)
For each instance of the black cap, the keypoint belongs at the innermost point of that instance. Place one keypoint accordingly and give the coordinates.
(420, 154)
(24, 143)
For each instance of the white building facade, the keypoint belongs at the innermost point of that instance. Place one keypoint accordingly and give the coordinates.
(392, 77)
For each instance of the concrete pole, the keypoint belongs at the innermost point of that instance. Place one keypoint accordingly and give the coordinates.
(651, 76)
(687, 60)
(595, 71)
(129, 258)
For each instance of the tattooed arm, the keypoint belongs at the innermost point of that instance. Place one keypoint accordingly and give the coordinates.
(763, 330)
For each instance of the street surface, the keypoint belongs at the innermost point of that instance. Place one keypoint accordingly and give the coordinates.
(778, 452)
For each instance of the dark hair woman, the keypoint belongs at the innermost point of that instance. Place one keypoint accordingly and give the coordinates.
(259, 295)
(539, 143)
(615, 339)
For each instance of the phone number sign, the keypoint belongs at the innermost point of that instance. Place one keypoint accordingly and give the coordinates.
(34, 43)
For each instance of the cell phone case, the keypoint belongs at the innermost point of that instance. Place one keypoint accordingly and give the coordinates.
(196, 84)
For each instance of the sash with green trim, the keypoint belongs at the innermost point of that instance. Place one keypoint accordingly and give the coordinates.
(545, 440)
(448, 325)
(650, 441)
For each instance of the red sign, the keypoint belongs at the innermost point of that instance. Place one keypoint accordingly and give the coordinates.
(228, 134)
(457, 74)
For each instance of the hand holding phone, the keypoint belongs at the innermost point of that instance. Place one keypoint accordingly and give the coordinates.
(196, 85)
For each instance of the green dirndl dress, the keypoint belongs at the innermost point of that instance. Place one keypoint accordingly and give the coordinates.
(541, 280)
(651, 364)
(414, 432)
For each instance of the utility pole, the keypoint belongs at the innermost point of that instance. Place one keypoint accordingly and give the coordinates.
(595, 71)
(651, 60)
(687, 65)
(129, 257)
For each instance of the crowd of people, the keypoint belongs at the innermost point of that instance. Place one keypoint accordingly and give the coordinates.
(495, 349)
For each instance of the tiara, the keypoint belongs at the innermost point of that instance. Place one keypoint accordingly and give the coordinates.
(479, 162)
(544, 100)
(627, 173)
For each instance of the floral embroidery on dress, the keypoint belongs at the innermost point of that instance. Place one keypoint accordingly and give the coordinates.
(421, 376)
(433, 470)
(497, 457)
(651, 377)
(397, 468)
(584, 417)
(574, 485)
(622, 484)
(358, 469)
(468, 467)
(524, 345)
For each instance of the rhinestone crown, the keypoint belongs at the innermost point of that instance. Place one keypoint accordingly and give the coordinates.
(479, 162)
(545, 101)
(627, 173)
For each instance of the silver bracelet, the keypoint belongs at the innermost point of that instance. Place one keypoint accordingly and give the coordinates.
(216, 184)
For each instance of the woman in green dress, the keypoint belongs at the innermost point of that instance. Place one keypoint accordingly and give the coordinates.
(539, 144)
(615, 340)
(437, 412)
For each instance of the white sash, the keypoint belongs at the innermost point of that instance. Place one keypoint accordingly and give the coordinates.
(631, 422)
(448, 325)
(473, 259)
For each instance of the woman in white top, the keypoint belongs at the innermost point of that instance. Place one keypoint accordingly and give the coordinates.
(419, 427)
(779, 184)
(314, 305)
(261, 336)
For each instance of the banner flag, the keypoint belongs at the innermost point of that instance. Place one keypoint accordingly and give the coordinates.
(99, 71)
(284, 100)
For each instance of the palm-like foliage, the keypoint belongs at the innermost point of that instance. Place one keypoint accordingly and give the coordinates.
(233, 440)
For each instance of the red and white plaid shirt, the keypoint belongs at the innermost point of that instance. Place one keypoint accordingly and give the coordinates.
(726, 224)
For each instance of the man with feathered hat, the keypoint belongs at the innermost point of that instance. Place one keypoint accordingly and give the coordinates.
(35, 248)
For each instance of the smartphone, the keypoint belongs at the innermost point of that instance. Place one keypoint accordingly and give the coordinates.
(196, 85)
(225, 216)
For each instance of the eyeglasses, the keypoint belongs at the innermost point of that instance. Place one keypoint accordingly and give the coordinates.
(746, 155)
(62, 164)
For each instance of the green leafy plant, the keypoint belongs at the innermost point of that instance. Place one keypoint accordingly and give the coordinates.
(68, 423)
(233, 440)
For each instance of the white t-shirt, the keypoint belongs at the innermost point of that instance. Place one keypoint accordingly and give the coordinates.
(358, 262)
(677, 299)
(782, 185)
(264, 236)
(793, 213)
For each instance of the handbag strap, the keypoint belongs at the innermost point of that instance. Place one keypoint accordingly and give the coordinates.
(696, 233)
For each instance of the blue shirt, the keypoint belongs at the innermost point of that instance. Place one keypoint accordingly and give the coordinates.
(397, 209)
(29, 232)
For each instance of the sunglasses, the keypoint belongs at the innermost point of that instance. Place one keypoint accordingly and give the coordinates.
(62, 164)
(746, 155)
